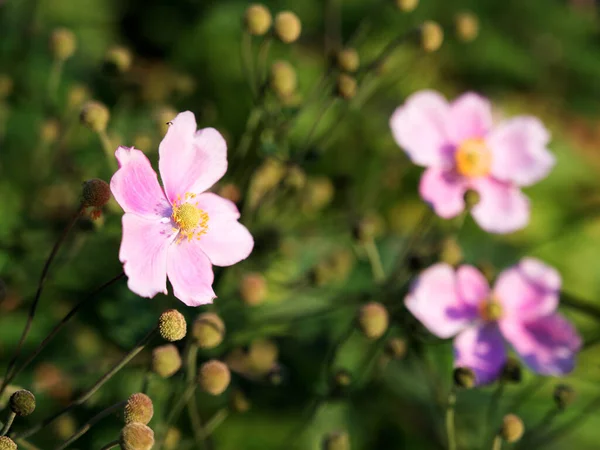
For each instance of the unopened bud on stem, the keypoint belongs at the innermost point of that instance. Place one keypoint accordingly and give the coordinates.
(257, 19)
(22, 403)
(214, 377)
(373, 320)
(512, 428)
(287, 27)
(139, 408)
(136, 436)
(172, 325)
(208, 330)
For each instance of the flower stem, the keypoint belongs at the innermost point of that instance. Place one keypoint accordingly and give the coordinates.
(375, 260)
(91, 391)
(192, 406)
(108, 149)
(9, 422)
(38, 294)
(497, 445)
(492, 409)
(110, 445)
(215, 421)
(450, 430)
(248, 63)
(54, 79)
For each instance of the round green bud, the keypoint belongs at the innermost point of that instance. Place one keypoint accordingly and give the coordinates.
(345, 86)
(373, 319)
(22, 403)
(564, 396)
(464, 377)
(95, 116)
(396, 348)
(287, 27)
(239, 402)
(407, 5)
(214, 377)
(136, 436)
(166, 360)
(512, 428)
(257, 19)
(348, 60)
(511, 372)
(253, 288)
(467, 26)
(95, 193)
(472, 198)
(432, 36)
(208, 330)
(139, 408)
(338, 440)
(262, 356)
(283, 79)
(172, 325)
(7, 443)
(63, 43)
(118, 59)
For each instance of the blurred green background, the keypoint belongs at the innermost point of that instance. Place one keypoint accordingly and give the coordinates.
(304, 192)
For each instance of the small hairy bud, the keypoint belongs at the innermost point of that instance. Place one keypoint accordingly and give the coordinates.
(239, 402)
(467, 26)
(369, 227)
(49, 131)
(77, 94)
(257, 19)
(373, 320)
(464, 377)
(7, 443)
(63, 43)
(396, 348)
(173, 438)
(564, 395)
(65, 426)
(253, 289)
(214, 377)
(512, 428)
(432, 36)
(139, 408)
(511, 372)
(345, 86)
(6, 86)
(208, 330)
(262, 356)
(172, 325)
(166, 360)
(22, 403)
(95, 116)
(118, 59)
(348, 60)
(287, 27)
(283, 79)
(95, 193)
(136, 436)
(407, 5)
(451, 253)
(338, 440)
(471, 198)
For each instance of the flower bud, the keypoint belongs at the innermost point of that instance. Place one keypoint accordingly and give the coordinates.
(283, 79)
(348, 60)
(136, 436)
(471, 198)
(139, 408)
(65, 426)
(257, 19)
(564, 395)
(253, 289)
(62, 44)
(432, 36)
(208, 330)
(407, 5)
(214, 377)
(369, 227)
(166, 360)
(95, 193)
(118, 59)
(172, 439)
(451, 253)
(467, 26)
(77, 94)
(295, 177)
(6, 86)
(396, 348)
(95, 116)
(373, 320)
(7, 443)
(287, 27)
(511, 372)
(49, 131)
(345, 86)
(319, 193)
(512, 428)
(231, 192)
(172, 325)
(22, 403)
(262, 356)
(342, 379)
(338, 440)
(464, 377)
(239, 402)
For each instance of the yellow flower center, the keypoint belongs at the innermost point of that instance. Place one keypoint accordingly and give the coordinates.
(490, 310)
(191, 221)
(473, 158)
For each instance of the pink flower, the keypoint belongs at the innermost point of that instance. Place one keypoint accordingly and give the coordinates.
(520, 309)
(181, 231)
(462, 150)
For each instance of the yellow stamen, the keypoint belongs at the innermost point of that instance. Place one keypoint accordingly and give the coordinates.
(191, 221)
(473, 158)
(490, 310)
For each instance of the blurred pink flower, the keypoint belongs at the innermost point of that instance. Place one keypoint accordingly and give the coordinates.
(462, 150)
(521, 309)
(181, 231)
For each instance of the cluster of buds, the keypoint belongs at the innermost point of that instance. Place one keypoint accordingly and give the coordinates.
(136, 434)
(287, 27)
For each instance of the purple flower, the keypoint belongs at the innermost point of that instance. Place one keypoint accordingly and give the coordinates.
(462, 150)
(520, 309)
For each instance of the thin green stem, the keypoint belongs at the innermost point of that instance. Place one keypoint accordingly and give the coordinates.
(248, 62)
(192, 406)
(450, 427)
(313, 129)
(263, 57)
(497, 444)
(215, 421)
(374, 259)
(8, 424)
(108, 148)
(110, 445)
(492, 409)
(54, 79)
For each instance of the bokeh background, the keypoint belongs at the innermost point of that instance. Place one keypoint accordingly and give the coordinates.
(304, 194)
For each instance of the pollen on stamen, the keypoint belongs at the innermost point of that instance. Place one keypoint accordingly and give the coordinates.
(190, 219)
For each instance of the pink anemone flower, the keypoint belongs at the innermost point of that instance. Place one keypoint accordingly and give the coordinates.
(520, 309)
(462, 150)
(179, 231)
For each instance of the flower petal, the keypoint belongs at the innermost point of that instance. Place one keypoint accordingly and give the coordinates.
(135, 185)
(190, 273)
(547, 345)
(227, 241)
(519, 151)
(528, 290)
(482, 350)
(472, 286)
(502, 208)
(143, 253)
(470, 118)
(434, 300)
(419, 127)
(444, 191)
